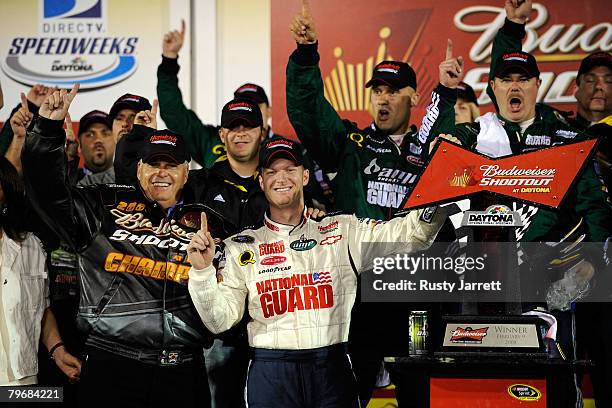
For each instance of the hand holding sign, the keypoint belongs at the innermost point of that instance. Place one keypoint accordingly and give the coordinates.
(201, 248)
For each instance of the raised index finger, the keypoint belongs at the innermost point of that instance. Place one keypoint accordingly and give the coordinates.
(183, 27)
(449, 49)
(24, 102)
(154, 108)
(305, 7)
(203, 222)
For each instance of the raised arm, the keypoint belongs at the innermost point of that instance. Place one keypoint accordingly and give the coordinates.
(202, 140)
(412, 232)
(509, 38)
(68, 212)
(219, 297)
(315, 121)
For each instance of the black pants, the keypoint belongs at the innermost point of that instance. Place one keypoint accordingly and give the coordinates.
(109, 380)
(594, 338)
(315, 378)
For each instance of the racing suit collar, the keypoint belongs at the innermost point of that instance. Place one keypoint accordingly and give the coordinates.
(284, 229)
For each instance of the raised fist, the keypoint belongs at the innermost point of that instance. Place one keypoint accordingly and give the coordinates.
(518, 11)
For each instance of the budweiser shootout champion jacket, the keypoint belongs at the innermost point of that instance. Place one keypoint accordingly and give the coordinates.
(132, 262)
(300, 282)
(374, 174)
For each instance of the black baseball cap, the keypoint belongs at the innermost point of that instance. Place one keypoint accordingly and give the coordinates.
(596, 59)
(253, 92)
(129, 101)
(95, 116)
(241, 111)
(396, 74)
(278, 147)
(516, 62)
(466, 92)
(165, 145)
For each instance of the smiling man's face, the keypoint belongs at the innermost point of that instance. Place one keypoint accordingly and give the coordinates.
(516, 96)
(242, 142)
(162, 181)
(283, 184)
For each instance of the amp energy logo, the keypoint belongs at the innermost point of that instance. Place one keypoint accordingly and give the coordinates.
(73, 44)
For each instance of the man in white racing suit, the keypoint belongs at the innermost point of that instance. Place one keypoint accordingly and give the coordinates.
(299, 279)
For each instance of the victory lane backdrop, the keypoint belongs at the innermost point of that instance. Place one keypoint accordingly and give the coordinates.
(354, 35)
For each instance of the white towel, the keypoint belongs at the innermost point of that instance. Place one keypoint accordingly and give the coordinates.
(492, 139)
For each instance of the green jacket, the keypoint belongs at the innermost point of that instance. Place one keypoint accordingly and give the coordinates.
(374, 175)
(203, 140)
(587, 199)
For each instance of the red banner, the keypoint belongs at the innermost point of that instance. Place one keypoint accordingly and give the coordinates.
(485, 392)
(356, 34)
(542, 177)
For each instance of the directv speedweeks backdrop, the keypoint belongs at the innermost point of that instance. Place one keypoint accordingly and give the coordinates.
(111, 47)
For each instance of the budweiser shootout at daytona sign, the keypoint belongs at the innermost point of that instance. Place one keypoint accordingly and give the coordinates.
(359, 35)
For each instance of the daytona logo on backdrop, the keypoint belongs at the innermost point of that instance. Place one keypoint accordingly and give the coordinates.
(296, 292)
(540, 177)
(72, 45)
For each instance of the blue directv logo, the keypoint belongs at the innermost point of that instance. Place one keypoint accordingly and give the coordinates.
(73, 45)
(72, 9)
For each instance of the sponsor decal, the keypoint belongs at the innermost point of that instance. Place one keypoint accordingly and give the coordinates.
(494, 215)
(524, 392)
(243, 239)
(302, 291)
(303, 244)
(277, 247)
(515, 56)
(246, 257)
(280, 143)
(393, 68)
(240, 106)
(246, 88)
(540, 177)
(389, 187)
(73, 44)
(332, 226)
(537, 140)
(371, 222)
(130, 207)
(273, 260)
(566, 133)
(163, 139)
(468, 335)
(271, 226)
(379, 150)
(136, 222)
(275, 269)
(428, 214)
(145, 267)
(331, 240)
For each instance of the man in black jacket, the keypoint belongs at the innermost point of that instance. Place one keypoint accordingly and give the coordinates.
(144, 338)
